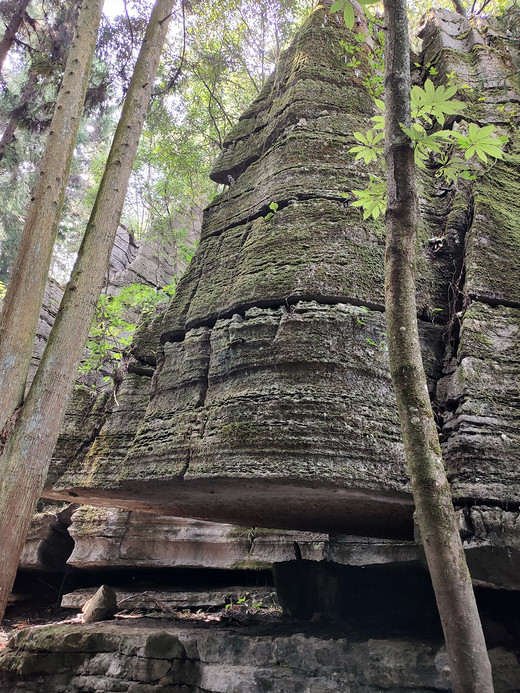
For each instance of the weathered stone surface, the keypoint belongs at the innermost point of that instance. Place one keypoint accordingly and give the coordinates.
(84, 417)
(48, 543)
(315, 245)
(493, 242)
(147, 657)
(452, 43)
(484, 75)
(306, 83)
(492, 544)
(481, 429)
(118, 538)
(111, 538)
(295, 379)
(271, 404)
(120, 418)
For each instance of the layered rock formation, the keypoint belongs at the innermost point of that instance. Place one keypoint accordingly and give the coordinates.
(271, 404)
(148, 657)
(258, 411)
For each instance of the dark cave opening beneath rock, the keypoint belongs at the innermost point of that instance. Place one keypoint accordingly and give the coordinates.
(365, 601)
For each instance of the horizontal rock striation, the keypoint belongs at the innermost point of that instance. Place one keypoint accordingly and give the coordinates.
(258, 409)
(271, 404)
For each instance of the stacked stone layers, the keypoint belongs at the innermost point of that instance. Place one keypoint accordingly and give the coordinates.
(271, 404)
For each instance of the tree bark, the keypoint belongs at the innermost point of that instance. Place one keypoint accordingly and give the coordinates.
(459, 7)
(12, 30)
(8, 136)
(22, 303)
(470, 667)
(28, 448)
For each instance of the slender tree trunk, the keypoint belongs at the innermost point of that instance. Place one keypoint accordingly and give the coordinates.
(22, 303)
(8, 136)
(470, 667)
(28, 449)
(12, 30)
(459, 7)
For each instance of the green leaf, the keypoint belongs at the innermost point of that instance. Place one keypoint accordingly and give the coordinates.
(372, 199)
(480, 141)
(379, 122)
(336, 6)
(348, 14)
(368, 149)
(434, 101)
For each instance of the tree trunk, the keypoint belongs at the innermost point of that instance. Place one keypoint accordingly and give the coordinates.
(22, 303)
(28, 448)
(470, 667)
(459, 7)
(12, 30)
(8, 136)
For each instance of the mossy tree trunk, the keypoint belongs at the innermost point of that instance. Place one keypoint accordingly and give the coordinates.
(470, 667)
(29, 445)
(12, 29)
(22, 303)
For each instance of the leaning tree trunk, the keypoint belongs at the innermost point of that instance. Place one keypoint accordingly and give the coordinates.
(12, 30)
(28, 449)
(23, 300)
(470, 667)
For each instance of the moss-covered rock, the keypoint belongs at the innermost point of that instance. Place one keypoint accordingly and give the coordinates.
(482, 438)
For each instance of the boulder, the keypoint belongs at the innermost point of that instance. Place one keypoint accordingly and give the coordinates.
(102, 606)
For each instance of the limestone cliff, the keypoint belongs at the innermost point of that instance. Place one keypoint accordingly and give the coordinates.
(262, 396)
(271, 403)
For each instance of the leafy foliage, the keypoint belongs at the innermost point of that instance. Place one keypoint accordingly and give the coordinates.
(372, 199)
(115, 322)
(434, 103)
(430, 107)
(424, 143)
(368, 149)
(480, 141)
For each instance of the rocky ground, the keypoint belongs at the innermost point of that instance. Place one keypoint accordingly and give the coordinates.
(243, 648)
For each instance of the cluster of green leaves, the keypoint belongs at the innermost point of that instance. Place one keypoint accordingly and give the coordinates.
(372, 199)
(368, 149)
(114, 323)
(356, 53)
(3, 290)
(430, 105)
